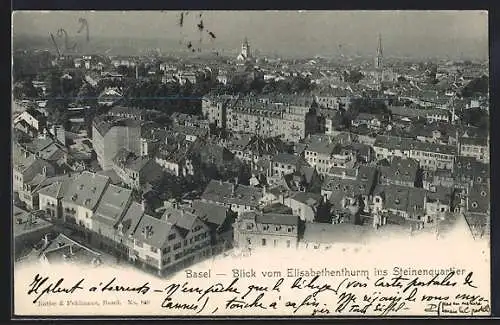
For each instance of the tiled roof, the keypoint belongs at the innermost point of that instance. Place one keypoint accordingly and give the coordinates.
(401, 169)
(132, 218)
(478, 200)
(311, 199)
(112, 205)
(210, 212)
(287, 158)
(153, 231)
(225, 192)
(86, 190)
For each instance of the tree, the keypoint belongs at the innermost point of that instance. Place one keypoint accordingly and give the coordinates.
(323, 214)
(475, 117)
(478, 86)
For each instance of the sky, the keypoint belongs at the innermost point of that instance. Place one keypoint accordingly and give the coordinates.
(404, 33)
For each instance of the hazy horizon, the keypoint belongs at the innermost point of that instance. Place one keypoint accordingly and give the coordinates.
(404, 33)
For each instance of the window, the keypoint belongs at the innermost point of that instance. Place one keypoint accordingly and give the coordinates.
(265, 227)
(166, 250)
(275, 242)
(185, 242)
(171, 237)
(138, 243)
(177, 246)
(474, 205)
(249, 241)
(377, 200)
(154, 249)
(483, 193)
(263, 242)
(288, 244)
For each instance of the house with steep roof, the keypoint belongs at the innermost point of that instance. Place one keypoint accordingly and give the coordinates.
(82, 198)
(347, 197)
(50, 196)
(176, 240)
(109, 213)
(401, 171)
(254, 230)
(477, 210)
(217, 217)
(237, 197)
(467, 171)
(400, 204)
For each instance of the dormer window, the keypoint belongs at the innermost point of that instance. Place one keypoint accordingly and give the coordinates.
(474, 205)
(397, 201)
(147, 231)
(483, 193)
(479, 179)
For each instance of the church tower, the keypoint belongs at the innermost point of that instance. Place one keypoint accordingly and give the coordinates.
(245, 49)
(380, 55)
(379, 62)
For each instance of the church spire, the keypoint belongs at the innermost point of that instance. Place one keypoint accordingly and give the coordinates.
(380, 55)
(379, 49)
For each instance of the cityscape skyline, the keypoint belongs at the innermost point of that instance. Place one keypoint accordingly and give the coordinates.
(453, 34)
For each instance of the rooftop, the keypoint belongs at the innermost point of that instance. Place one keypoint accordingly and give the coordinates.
(86, 190)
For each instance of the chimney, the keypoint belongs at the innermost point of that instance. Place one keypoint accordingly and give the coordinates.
(143, 205)
(71, 250)
(232, 189)
(236, 181)
(44, 171)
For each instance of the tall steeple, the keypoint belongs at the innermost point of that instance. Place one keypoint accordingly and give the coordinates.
(380, 55)
(245, 48)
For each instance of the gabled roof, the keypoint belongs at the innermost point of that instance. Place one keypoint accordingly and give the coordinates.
(153, 231)
(112, 205)
(308, 198)
(86, 190)
(209, 212)
(132, 218)
(225, 192)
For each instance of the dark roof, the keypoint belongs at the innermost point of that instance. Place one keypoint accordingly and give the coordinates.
(287, 158)
(311, 199)
(478, 200)
(226, 192)
(153, 231)
(132, 218)
(401, 169)
(272, 218)
(210, 212)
